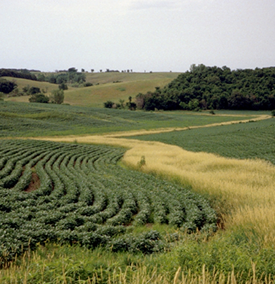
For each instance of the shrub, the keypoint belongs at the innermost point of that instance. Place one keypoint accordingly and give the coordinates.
(57, 96)
(273, 112)
(63, 86)
(39, 98)
(34, 90)
(88, 84)
(6, 86)
(108, 104)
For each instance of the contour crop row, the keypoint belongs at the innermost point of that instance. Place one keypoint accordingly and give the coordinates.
(78, 194)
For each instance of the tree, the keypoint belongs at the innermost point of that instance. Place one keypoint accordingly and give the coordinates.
(26, 89)
(121, 102)
(41, 77)
(130, 105)
(57, 96)
(34, 90)
(72, 69)
(108, 104)
(39, 98)
(63, 86)
(6, 86)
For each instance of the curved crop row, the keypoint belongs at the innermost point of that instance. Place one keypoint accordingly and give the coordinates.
(84, 197)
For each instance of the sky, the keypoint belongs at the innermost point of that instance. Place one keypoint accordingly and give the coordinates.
(142, 35)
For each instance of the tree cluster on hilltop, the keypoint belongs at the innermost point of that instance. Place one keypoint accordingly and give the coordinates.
(70, 76)
(206, 87)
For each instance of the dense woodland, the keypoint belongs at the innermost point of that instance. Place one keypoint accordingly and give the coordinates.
(214, 88)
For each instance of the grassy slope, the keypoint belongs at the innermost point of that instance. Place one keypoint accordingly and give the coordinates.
(48, 87)
(131, 84)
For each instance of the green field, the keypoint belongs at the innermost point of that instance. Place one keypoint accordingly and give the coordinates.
(24, 119)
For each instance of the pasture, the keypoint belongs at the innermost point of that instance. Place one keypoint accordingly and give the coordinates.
(106, 86)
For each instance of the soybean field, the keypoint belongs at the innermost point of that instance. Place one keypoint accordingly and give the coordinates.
(34, 119)
(79, 194)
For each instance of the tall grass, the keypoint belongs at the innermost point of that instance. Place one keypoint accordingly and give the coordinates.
(64, 265)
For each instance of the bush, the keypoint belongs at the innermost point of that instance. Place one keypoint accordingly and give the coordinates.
(57, 96)
(34, 90)
(63, 86)
(39, 98)
(108, 104)
(6, 86)
(88, 84)
(273, 112)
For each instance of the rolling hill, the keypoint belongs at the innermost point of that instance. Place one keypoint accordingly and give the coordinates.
(106, 86)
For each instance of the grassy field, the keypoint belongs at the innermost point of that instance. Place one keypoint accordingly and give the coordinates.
(126, 84)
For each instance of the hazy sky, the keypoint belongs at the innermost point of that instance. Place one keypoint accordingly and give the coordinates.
(151, 35)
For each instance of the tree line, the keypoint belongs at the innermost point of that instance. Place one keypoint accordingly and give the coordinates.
(71, 76)
(17, 73)
(204, 87)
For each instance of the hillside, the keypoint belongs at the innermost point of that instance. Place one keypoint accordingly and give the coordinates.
(21, 83)
(215, 88)
(106, 86)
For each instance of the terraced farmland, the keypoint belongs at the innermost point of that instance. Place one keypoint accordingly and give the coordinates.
(78, 194)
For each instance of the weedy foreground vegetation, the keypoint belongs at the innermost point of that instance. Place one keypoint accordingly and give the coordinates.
(139, 227)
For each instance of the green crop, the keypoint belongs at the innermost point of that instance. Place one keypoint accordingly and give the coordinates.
(85, 198)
